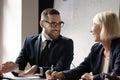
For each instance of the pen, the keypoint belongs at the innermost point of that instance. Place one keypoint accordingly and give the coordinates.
(51, 67)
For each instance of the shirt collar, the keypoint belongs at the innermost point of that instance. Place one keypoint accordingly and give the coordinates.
(45, 37)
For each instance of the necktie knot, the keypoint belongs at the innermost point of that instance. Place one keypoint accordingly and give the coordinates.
(47, 43)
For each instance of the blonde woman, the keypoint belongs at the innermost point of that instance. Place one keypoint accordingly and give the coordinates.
(104, 57)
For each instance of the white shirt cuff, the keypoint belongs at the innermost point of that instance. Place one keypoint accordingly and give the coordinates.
(41, 71)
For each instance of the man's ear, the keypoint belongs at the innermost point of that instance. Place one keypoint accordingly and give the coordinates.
(41, 23)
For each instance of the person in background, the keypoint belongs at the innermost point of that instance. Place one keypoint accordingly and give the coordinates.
(103, 60)
(45, 50)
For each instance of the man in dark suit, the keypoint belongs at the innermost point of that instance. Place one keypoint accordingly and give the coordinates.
(59, 52)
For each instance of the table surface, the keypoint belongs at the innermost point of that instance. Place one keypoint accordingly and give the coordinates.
(29, 77)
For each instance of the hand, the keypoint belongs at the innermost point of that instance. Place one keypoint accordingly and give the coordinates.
(32, 70)
(58, 75)
(49, 75)
(112, 76)
(8, 67)
(54, 75)
(87, 76)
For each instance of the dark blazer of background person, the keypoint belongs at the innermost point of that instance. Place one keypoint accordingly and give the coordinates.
(61, 53)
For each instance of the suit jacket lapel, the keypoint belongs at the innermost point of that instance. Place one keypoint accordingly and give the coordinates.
(98, 65)
(37, 47)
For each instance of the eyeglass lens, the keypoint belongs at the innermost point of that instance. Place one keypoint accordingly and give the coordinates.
(54, 24)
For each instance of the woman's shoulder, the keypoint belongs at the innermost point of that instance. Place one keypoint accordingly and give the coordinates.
(97, 45)
(115, 44)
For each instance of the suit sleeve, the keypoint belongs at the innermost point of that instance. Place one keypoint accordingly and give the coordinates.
(84, 67)
(66, 58)
(22, 59)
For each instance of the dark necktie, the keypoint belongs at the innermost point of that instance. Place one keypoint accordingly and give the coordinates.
(44, 53)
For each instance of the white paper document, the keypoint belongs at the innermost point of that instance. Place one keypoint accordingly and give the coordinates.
(9, 76)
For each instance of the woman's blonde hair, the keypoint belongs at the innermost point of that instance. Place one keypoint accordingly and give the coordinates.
(110, 25)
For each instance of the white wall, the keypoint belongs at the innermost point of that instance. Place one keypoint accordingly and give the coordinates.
(29, 18)
(11, 29)
(77, 15)
(18, 18)
(1, 29)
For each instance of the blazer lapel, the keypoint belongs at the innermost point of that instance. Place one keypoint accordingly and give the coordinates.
(98, 65)
(37, 47)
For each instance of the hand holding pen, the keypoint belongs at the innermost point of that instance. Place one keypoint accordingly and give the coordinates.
(112, 76)
(49, 74)
(54, 75)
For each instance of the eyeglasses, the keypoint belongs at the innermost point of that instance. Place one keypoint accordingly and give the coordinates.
(54, 24)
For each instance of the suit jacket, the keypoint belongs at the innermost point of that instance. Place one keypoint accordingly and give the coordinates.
(60, 55)
(92, 62)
